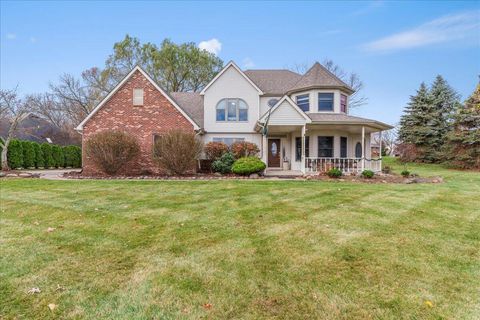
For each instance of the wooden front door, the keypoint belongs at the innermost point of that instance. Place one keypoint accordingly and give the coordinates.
(274, 153)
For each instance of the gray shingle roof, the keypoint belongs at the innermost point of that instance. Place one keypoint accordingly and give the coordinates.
(191, 103)
(318, 76)
(273, 82)
(345, 118)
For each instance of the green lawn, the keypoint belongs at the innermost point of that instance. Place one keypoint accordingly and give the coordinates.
(241, 249)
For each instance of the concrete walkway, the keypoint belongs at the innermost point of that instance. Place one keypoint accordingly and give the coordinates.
(54, 174)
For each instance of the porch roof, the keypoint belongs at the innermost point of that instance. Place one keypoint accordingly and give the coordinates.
(345, 119)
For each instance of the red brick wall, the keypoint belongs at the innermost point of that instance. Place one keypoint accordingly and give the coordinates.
(155, 116)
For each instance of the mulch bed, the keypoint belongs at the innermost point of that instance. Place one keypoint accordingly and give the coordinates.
(378, 178)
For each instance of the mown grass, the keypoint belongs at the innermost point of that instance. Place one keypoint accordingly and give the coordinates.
(241, 249)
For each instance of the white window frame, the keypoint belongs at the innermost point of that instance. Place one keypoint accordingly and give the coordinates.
(237, 109)
(223, 139)
(137, 99)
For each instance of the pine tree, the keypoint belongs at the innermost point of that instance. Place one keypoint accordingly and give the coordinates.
(440, 117)
(413, 123)
(463, 147)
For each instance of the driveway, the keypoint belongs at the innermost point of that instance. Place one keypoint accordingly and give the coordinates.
(55, 174)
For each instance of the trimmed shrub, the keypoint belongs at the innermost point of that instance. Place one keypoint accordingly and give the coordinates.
(248, 165)
(405, 173)
(111, 150)
(214, 150)
(15, 154)
(28, 154)
(334, 173)
(39, 162)
(243, 149)
(70, 154)
(77, 160)
(177, 150)
(48, 160)
(224, 164)
(58, 157)
(368, 174)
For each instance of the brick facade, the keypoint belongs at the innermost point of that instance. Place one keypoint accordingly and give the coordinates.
(157, 115)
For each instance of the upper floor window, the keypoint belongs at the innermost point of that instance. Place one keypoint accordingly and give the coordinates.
(272, 102)
(138, 97)
(343, 103)
(303, 102)
(232, 110)
(325, 102)
(228, 141)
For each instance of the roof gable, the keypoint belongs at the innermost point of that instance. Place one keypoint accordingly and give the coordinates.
(231, 64)
(319, 76)
(121, 83)
(285, 109)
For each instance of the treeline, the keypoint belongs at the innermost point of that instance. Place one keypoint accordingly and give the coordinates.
(28, 154)
(436, 127)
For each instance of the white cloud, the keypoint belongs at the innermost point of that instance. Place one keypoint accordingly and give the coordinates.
(444, 29)
(11, 36)
(213, 46)
(248, 63)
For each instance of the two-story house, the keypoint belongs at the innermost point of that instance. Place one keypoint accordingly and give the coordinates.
(301, 123)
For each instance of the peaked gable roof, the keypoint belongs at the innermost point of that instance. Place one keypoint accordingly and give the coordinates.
(192, 103)
(319, 76)
(231, 64)
(274, 82)
(279, 103)
(121, 83)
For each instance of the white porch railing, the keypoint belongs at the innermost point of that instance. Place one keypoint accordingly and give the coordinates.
(347, 165)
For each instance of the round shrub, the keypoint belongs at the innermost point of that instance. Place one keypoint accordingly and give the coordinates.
(405, 173)
(28, 154)
(243, 149)
(15, 154)
(224, 164)
(368, 174)
(214, 150)
(39, 162)
(111, 150)
(248, 165)
(334, 173)
(47, 155)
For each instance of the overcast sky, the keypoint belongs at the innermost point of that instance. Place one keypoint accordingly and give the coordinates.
(393, 46)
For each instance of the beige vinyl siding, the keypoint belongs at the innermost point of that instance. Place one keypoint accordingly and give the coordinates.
(286, 114)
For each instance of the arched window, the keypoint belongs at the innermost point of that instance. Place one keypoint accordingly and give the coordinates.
(358, 150)
(232, 110)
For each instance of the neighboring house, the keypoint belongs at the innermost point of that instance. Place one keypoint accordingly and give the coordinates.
(300, 122)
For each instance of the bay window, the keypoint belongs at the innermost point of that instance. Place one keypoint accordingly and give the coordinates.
(325, 147)
(325, 101)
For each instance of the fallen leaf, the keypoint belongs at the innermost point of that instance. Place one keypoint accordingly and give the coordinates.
(428, 303)
(207, 306)
(34, 290)
(50, 229)
(52, 306)
(36, 223)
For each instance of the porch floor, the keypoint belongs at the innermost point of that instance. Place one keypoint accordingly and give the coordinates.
(283, 173)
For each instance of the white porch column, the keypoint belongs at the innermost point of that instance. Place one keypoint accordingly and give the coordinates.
(380, 148)
(264, 148)
(303, 150)
(363, 148)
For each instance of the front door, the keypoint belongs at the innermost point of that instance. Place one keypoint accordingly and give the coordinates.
(274, 153)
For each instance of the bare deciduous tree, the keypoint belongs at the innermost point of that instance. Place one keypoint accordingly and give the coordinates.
(15, 110)
(389, 140)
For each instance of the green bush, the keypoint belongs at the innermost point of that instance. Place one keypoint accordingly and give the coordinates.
(77, 159)
(28, 154)
(334, 173)
(15, 154)
(224, 164)
(248, 165)
(405, 173)
(58, 157)
(368, 174)
(47, 155)
(39, 162)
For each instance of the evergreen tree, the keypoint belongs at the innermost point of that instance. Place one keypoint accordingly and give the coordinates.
(39, 162)
(28, 154)
(413, 123)
(463, 147)
(444, 103)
